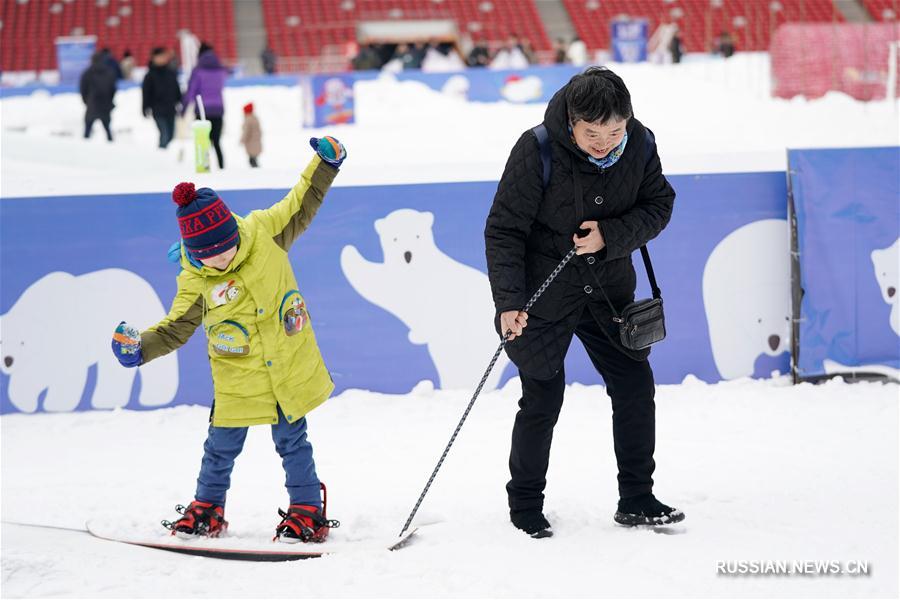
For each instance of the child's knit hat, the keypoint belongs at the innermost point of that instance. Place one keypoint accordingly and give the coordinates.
(207, 226)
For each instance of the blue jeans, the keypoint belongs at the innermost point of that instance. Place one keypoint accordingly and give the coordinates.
(166, 126)
(224, 444)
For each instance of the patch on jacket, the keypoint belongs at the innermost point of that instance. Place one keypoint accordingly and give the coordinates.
(224, 293)
(229, 338)
(293, 313)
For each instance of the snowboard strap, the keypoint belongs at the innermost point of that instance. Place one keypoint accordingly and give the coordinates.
(292, 519)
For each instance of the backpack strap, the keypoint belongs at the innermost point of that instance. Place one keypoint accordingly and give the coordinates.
(543, 139)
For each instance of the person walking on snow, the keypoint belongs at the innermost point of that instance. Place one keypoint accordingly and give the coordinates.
(161, 95)
(237, 283)
(208, 80)
(607, 195)
(251, 135)
(98, 88)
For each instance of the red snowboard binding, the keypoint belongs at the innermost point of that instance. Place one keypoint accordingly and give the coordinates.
(304, 523)
(199, 519)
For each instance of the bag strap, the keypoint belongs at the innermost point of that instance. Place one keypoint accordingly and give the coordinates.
(648, 266)
(543, 139)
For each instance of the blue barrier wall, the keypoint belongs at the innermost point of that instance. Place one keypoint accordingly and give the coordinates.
(847, 203)
(366, 344)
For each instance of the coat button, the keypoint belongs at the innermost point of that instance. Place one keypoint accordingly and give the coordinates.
(591, 260)
(598, 200)
(588, 289)
(261, 311)
(268, 363)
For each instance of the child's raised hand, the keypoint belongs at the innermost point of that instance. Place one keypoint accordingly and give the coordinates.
(126, 345)
(331, 150)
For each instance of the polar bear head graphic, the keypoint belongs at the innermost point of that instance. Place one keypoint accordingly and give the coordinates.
(886, 263)
(416, 281)
(746, 294)
(406, 237)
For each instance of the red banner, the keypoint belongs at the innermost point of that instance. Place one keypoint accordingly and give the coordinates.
(811, 59)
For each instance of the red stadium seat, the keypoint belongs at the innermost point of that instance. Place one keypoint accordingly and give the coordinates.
(332, 22)
(883, 10)
(30, 28)
(751, 22)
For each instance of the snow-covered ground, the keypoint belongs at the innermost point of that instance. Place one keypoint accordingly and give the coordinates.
(765, 471)
(708, 116)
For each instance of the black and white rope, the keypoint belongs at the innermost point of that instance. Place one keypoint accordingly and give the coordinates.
(484, 377)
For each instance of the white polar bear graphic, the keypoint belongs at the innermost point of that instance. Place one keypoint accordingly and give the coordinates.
(62, 324)
(887, 271)
(747, 296)
(446, 305)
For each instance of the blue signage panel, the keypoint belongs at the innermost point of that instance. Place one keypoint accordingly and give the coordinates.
(73, 56)
(847, 203)
(629, 40)
(395, 285)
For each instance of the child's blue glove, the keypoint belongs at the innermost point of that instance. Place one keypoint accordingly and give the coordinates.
(331, 150)
(126, 345)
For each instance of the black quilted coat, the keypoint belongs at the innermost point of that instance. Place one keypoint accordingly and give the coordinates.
(529, 230)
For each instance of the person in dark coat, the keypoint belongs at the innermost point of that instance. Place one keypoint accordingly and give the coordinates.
(98, 87)
(112, 63)
(162, 95)
(606, 195)
(676, 47)
(269, 60)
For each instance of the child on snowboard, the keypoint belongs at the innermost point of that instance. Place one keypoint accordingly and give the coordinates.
(237, 282)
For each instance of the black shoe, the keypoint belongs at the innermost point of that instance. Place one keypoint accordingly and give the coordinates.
(531, 522)
(646, 510)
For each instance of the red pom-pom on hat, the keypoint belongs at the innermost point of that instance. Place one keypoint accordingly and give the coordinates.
(184, 193)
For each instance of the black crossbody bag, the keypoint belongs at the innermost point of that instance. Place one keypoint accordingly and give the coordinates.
(642, 323)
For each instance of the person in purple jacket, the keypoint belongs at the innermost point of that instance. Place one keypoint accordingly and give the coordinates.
(207, 80)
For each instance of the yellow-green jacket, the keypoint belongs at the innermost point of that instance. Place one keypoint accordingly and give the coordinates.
(261, 345)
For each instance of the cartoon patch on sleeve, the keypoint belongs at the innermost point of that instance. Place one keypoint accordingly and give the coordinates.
(295, 317)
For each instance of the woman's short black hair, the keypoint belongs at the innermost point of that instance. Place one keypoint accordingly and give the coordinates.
(597, 94)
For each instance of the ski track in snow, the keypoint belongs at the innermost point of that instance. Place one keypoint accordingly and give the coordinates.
(763, 470)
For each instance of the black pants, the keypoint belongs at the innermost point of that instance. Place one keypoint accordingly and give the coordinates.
(89, 119)
(166, 126)
(214, 137)
(629, 383)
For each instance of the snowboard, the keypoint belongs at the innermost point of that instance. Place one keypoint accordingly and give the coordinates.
(254, 548)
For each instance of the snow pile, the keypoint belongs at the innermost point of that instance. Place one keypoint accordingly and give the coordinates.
(708, 116)
(763, 470)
